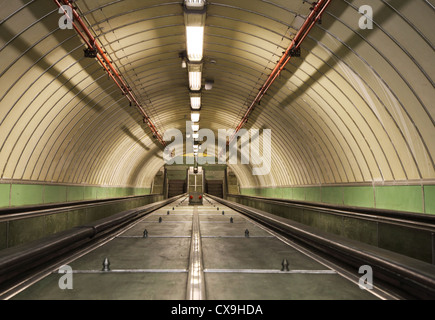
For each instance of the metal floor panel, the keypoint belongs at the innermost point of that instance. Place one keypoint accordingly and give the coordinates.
(242, 286)
(111, 286)
(160, 229)
(138, 253)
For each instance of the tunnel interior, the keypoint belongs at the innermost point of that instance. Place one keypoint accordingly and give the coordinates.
(350, 118)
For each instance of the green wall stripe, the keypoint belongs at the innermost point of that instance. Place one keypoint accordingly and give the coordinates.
(54, 194)
(16, 194)
(429, 199)
(332, 195)
(359, 197)
(5, 191)
(26, 194)
(403, 198)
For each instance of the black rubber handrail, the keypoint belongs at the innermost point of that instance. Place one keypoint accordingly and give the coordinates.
(414, 279)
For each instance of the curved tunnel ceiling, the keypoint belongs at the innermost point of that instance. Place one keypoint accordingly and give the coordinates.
(357, 106)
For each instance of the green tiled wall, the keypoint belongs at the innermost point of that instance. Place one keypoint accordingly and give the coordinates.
(429, 199)
(420, 199)
(333, 195)
(54, 194)
(358, 197)
(22, 194)
(312, 194)
(5, 190)
(403, 198)
(15, 194)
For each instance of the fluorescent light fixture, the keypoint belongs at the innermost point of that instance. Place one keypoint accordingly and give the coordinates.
(195, 127)
(194, 116)
(195, 100)
(195, 76)
(195, 40)
(195, 80)
(195, 103)
(194, 4)
(195, 136)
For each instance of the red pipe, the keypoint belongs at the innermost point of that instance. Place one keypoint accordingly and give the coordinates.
(107, 65)
(309, 23)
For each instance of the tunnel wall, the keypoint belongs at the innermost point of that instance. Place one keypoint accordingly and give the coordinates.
(413, 198)
(21, 194)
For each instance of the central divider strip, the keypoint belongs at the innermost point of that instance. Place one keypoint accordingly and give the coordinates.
(195, 281)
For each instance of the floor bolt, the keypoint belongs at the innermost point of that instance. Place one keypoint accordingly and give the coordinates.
(284, 265)
(106, 265)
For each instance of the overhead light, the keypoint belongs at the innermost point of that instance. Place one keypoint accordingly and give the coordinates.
(194, 4)
(195, 42)
(195, 127)
(195, 80)
(195, 100)
(194, 116)
(195, 136)
(195, 76)
(194, 20)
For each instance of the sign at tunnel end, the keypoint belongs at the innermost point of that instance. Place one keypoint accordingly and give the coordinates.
(255, 147)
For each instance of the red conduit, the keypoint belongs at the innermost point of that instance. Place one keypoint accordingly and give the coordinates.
(309, 23)
(107, 65)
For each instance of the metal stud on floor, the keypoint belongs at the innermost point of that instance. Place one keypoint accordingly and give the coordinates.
(223, 212)
(168, 212)
(145, 233)
(231, 220)
(106, 265)
(247, 233)
(284, 265)
(160, 219)
(217, 208)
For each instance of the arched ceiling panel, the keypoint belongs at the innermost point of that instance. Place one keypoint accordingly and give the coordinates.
(357, 106)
